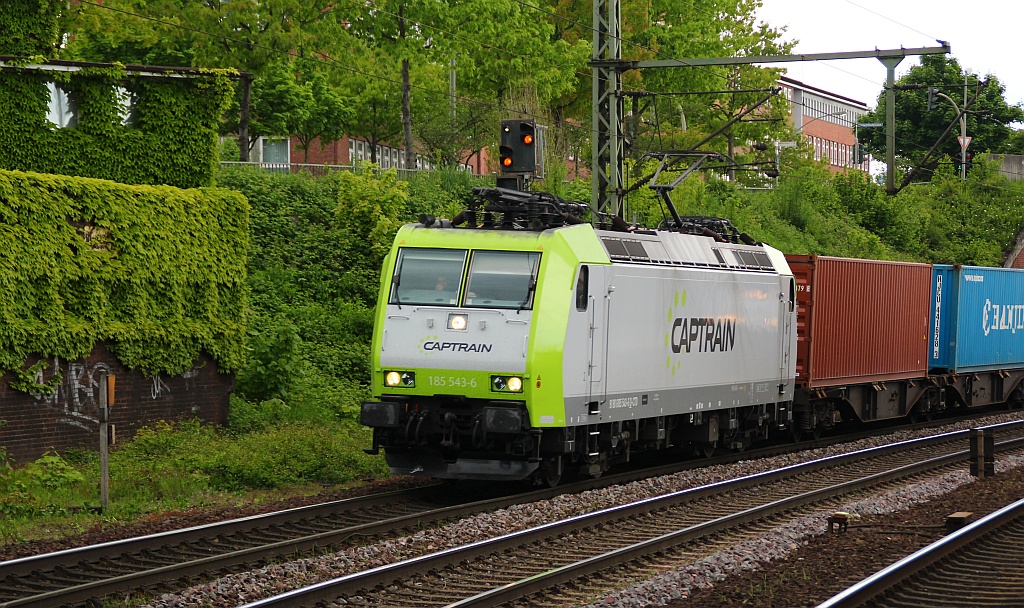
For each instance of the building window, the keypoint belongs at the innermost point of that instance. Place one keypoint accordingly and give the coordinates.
(63, 109)
(275, 150)
(351, 151)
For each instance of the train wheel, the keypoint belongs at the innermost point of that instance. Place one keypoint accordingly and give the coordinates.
(550, 474)
(1016, 400)
(795, 434)
(925, 409)
(920, 416)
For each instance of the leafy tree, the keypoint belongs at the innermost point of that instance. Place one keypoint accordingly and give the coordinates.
(917, 129)
(326, 118)
(379, 119)
(1014, 143)
(280, 104)
(451, 137)
(723, 28)
(244, 34)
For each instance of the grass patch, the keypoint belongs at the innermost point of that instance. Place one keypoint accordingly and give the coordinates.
(177, 467)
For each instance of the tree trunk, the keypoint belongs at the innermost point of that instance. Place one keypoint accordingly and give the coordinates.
(243, 119)
(410, 154)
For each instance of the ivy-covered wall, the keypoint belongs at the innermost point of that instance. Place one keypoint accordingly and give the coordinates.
(30, 27)
(157, 273)
(170, 136)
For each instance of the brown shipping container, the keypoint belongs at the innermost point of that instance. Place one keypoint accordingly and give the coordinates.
(860, 321)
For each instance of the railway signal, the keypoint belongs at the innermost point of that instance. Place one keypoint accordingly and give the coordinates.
(518, 150)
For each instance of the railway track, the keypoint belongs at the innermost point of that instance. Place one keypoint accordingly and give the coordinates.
(979, 565)
(524, 567)
(172, 560)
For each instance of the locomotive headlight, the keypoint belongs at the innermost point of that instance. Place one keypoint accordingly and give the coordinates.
(404, 379)
(507, 384)
(457, 321)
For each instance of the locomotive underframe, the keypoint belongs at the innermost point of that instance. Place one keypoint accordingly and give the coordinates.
(458, 438)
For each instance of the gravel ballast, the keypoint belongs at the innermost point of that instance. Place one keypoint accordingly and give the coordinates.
(711, 572)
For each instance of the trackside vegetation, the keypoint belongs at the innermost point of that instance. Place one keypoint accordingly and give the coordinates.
(157, 272)
(316, 247)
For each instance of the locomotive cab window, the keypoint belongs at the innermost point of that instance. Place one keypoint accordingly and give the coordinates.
(502, 279)
(583, 289)
(427, 276)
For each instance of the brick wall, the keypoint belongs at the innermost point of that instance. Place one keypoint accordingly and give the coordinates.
(335, 153)
(33, 424)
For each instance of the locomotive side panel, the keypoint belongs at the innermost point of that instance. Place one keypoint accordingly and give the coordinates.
(689, 340)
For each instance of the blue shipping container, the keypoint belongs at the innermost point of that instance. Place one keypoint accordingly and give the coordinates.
(977, 320)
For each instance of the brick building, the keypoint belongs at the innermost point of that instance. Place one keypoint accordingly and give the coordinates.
(827, 121)
(33, 424)
(347, 151)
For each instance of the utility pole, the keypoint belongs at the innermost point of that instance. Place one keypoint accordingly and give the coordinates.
(963, 139)
(964, 142)
(451, 88)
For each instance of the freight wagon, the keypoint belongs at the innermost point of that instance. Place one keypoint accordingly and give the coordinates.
(862, 350)
(976, 340)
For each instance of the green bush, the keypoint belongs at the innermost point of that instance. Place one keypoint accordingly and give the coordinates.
(291, 454)
(273, 364)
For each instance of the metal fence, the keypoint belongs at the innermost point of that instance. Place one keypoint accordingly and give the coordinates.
(322, 170)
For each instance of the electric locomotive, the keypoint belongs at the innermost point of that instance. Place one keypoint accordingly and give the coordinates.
(518, 342)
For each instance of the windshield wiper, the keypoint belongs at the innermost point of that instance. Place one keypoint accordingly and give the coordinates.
(532, 286)
(396, 280)
(529, 293)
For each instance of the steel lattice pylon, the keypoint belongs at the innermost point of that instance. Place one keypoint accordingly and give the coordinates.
(607, 108)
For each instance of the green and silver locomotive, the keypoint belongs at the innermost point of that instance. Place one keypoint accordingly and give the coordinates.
(517, 342)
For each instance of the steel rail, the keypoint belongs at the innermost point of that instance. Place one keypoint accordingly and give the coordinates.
(383, 575)
(26, 565)
(88, 590)
(897, 574)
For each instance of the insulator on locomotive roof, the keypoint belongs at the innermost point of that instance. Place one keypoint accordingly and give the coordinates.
(426, 219)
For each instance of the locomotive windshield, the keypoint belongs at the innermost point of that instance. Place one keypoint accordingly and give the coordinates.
(496, 279)
(502, 279)
(428, 276)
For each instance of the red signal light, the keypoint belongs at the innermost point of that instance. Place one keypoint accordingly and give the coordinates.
(528, 139)
(506, 161)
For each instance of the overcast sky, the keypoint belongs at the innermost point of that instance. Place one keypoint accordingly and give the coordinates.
(985, 36)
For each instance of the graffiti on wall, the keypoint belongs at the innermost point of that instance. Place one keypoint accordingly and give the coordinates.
(75, 399)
